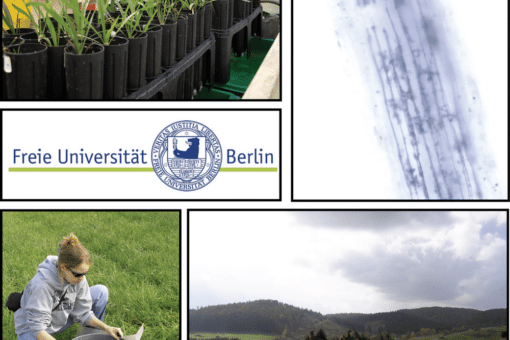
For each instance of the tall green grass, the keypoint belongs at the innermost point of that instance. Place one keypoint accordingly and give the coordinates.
(203, 335)
(134, 253)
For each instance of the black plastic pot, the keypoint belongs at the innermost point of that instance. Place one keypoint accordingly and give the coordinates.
(192, 31)
(168, 44)
(62, 35)
(220, 17)
(189, 76)
(200, 26)
(42, 23)
(256, 23)
(19, 32)
(240, 9)
(9, 41)
(182, 37)
(56, 71)
(208, 17)
(31, 38)
(84, 72)
(248, 9)
(115, 14)
(224, 43)
(145, 19)
(116, 68)
(137, 62)
(179, 94)
(239, 42)
(93, 35)
(26, 78)
(154, 39)
(205, 72)
(230, 13)
(197, 77)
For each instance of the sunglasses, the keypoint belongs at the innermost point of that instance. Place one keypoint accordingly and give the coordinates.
(78, 274)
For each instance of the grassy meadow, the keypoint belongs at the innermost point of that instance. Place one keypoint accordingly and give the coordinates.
(490, 333)
(134, 253)
(200, 335)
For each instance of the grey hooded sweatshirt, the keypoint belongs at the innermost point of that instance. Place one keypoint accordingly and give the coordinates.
(41, 296)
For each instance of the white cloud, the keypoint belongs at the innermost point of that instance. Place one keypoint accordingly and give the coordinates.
(445, 259)
(491, 247)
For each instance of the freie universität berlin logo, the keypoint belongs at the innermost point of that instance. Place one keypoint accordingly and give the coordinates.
(186, 155)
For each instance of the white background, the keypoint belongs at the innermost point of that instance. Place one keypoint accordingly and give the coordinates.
(332, 109)
(107, 132)
(322, 97)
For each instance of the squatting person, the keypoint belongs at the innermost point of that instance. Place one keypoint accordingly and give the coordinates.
(59, 296)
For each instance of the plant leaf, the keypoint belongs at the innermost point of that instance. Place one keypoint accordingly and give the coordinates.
(6, 17)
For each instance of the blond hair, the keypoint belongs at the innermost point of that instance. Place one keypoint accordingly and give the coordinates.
(71, 254)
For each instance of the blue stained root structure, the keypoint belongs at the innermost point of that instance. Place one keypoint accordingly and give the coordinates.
(427, 133)
(363, 3)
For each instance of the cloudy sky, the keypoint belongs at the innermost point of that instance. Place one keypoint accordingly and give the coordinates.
(349, 261)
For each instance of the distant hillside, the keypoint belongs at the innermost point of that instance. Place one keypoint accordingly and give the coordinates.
(276, 318)
(261, 316)
(393, 322)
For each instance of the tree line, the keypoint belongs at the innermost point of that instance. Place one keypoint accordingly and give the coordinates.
(280, 319)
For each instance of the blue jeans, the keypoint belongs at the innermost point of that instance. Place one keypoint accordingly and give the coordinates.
(99, 294)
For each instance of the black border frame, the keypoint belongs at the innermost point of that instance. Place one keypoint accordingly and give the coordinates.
(279, 199)
(292, 199)
(179, 211)
(179, 100)
(315, 210)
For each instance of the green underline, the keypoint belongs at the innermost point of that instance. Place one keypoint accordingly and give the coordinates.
(129, 169)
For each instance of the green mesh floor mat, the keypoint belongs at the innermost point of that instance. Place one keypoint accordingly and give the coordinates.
(243, 69)
(215, 94)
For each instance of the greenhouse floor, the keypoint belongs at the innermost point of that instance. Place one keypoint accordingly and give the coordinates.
(242, 71)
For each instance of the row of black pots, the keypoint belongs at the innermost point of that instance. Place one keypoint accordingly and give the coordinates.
(126, 66)
(227, 11)
(53, 68)
(103, 72)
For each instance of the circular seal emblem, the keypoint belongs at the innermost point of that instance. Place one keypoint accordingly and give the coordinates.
(186, 155)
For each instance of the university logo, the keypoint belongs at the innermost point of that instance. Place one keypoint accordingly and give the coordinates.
(186, 155)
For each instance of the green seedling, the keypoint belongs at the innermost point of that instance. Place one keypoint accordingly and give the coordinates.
(201, 3)
(131, 17)
(175, 12)
(188, 5)
(106, 35)
(55, 35)
(163, 10)
(7, 19)
(77, 28)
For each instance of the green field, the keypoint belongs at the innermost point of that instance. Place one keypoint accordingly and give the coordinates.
(200, 335)
(134, 253)
(492, 333)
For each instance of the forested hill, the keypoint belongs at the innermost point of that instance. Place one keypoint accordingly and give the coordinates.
(273, 317)
(261, 316)
(413, 320)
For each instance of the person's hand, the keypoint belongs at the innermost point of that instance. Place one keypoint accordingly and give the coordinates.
(115, 332)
